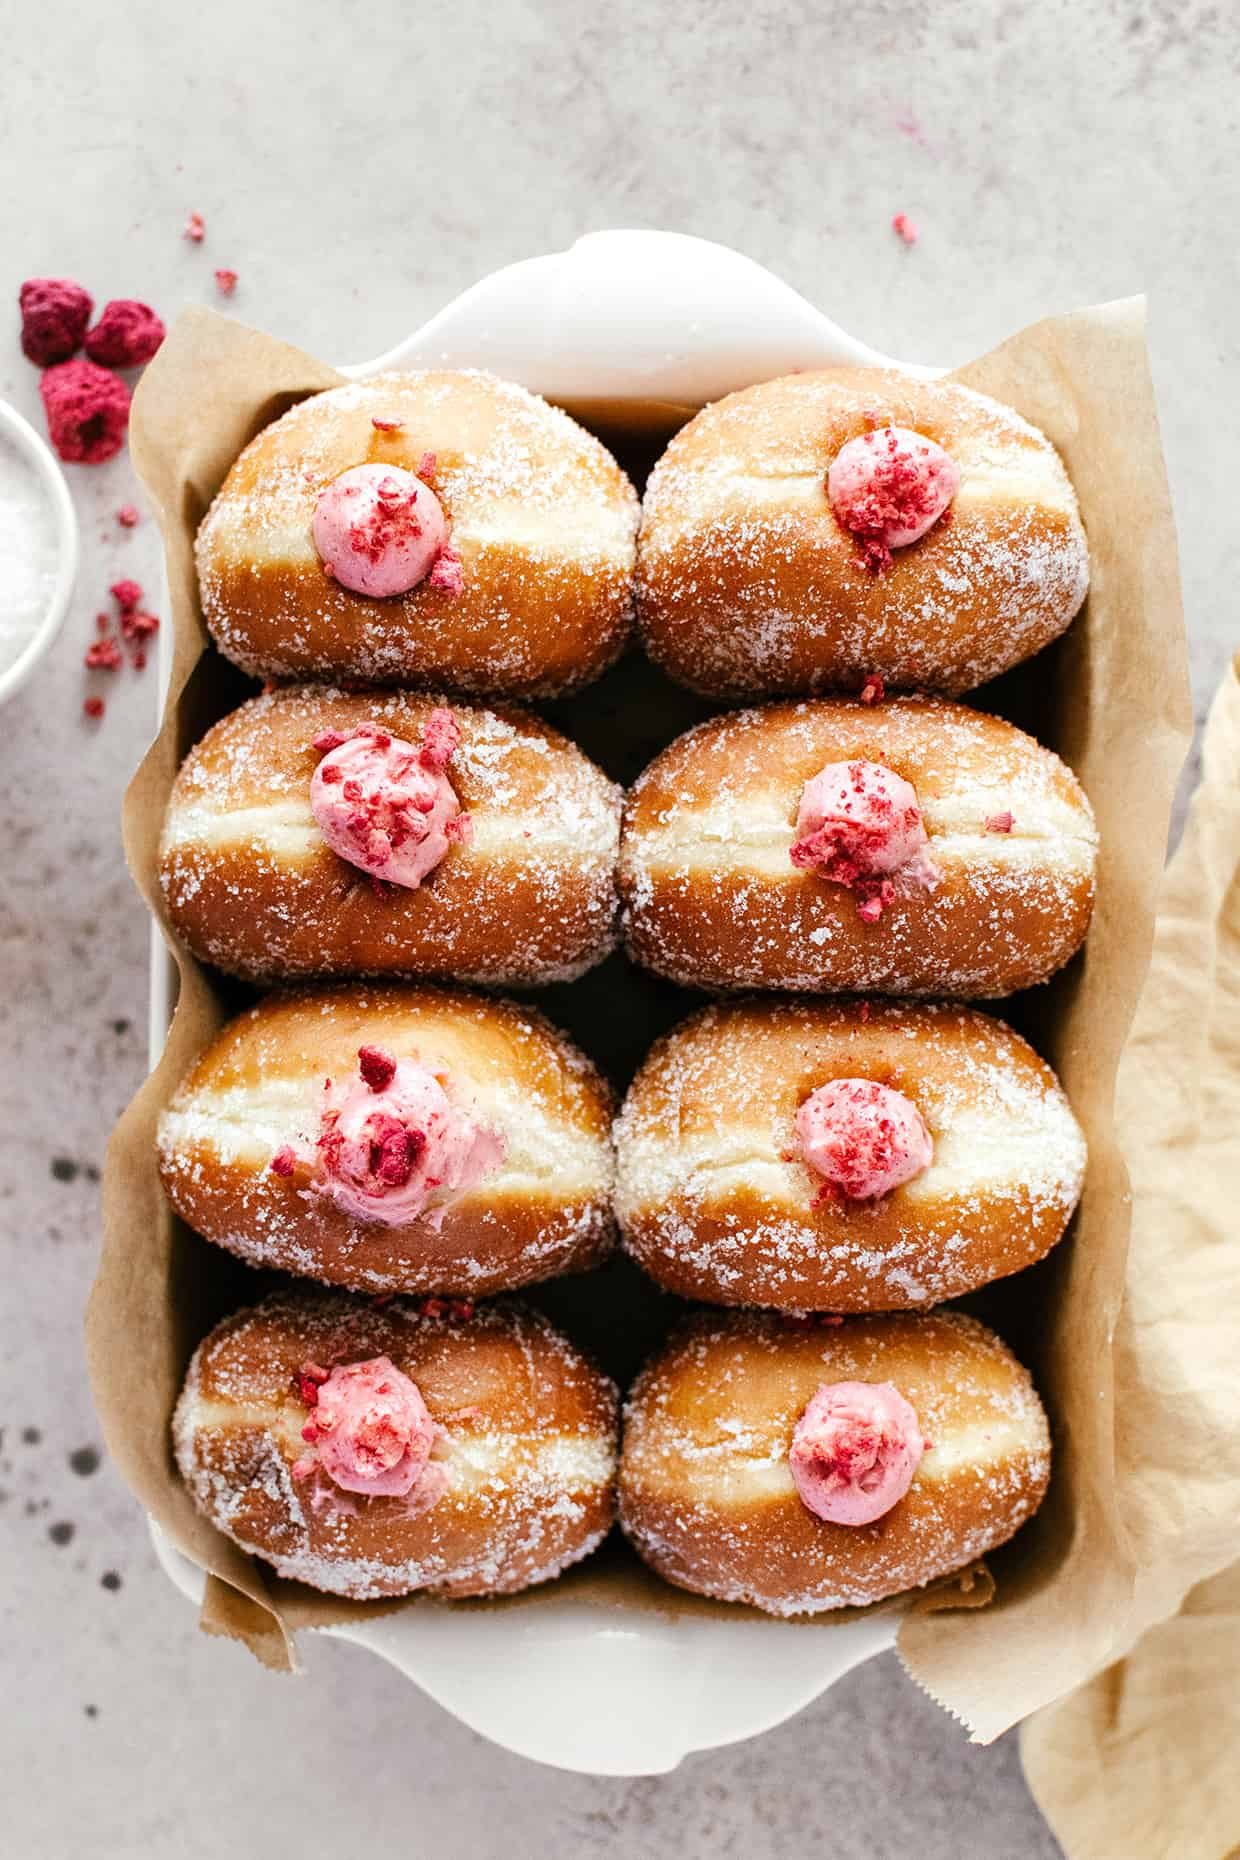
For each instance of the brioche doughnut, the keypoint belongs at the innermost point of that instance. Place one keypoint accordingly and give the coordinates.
(739, 868)
(731, 1190)
(754, 1468)
(374, 1451)
(253, 885)
(394, 1140)
(475, 537)
(809, 531)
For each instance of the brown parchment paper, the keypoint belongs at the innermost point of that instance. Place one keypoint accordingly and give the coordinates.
(1144, 1762)
(1111, 697)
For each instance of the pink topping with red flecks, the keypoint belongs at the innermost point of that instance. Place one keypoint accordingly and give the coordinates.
(392, 1145)
(862, 1139)
(380, 530)
(854, 1451)
(386, 805)
(859, 825)
(888, 487)
(372, 1429)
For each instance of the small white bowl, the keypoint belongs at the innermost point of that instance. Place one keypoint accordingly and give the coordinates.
(52, 479)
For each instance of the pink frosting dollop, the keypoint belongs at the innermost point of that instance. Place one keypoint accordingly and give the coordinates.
(379, 529)
(392, 1142)
(889, 487)
(854, 1451)
(859, 825)
(373, 1431)
(862, 1138)
(387, 805)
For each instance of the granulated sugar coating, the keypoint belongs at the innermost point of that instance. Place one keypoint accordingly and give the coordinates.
(711, 897)
(715, 1199)
(259, 1092)
(541, 517)
(251, 884)
(519, 1482)
(707, 1497)
(748, 585)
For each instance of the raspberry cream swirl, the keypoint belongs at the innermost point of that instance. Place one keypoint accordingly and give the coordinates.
(889, 487)
(862, 1139)
(393, 1146)
(379, 530)
(854, 1451)
(370, 1425)
(386, 805)
(859, 825)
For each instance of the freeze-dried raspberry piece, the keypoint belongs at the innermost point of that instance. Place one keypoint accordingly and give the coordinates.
(87, 411)
(55, 313)
(127, 334)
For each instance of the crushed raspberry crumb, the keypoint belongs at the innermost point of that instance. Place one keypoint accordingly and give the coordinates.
(127, 594)
(136, 626)
(387, 426)
(127, 334)
(128, 516)
(441, 738)
(327, 740)
(999, 823)
(225, 281)
(284, 1161)
(308, 1381)
(864, 1011)
(195, 228)
(427, 465)
(873, 691)
(875, 900)
(87, 411)
(447, 574)
(103, 656)
(103, 623)
(54, 313)
(903, 225)
(377, 1068)
(93, 707)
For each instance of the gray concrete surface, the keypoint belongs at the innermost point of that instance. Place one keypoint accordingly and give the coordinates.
(358, 166)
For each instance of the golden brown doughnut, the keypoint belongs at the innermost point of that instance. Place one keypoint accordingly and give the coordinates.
(748, 585)
(541, 1208)
(253, 887)
(519, 1480)
(707, 1495)
(716, 1200)
(711, 896)
(542, 518)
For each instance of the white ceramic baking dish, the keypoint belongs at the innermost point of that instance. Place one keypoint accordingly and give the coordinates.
(629, 319)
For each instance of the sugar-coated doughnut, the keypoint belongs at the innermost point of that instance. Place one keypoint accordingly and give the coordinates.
(842, 1155)
(802, 534)
(910, 847)
(373, 1451)
(439, 527)
(514, 883)
(394, 1140)
(807, 1468)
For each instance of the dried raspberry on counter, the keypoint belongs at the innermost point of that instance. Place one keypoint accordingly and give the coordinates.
(55, 314)
(87, 411)
(127, 334)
